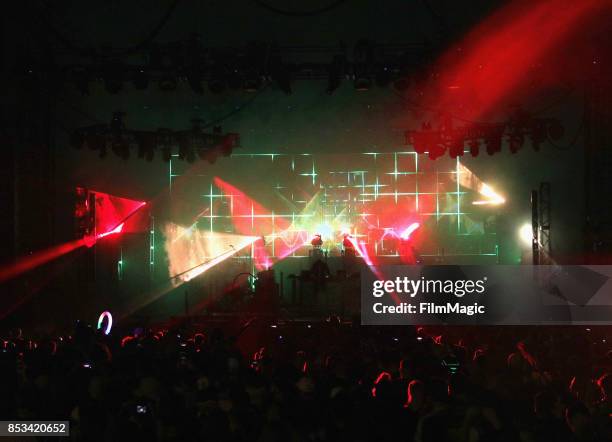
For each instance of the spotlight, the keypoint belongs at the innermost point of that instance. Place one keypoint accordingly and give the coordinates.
(251, 84)
(140, 80)
(474, 147)
(362, 84)
(167, 83)
(436, 151)
(117, 125)
(492, 198)
(526, 233)
(456, 147)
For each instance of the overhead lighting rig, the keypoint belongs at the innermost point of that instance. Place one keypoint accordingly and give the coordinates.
(447, 138)
(247, 68)
(187, 144)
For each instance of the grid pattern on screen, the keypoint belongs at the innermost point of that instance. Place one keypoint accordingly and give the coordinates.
(364, 191)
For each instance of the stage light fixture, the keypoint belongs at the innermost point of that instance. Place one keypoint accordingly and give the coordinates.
(474, 145)
(435, 151)
(516, 140)
(493, 139)
(362, 84)
(140, 80)
(167, 83)
(492, 197)
(526, 234)
(456, 147)
(234, 79)
(208, 154)
(251, 84)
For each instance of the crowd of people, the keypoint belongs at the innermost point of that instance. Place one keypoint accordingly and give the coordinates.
(327, 381)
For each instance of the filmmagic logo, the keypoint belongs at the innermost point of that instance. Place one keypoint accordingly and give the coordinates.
(413, 287)
(405, 286)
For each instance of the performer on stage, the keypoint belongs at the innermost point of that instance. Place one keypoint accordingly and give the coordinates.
(408, 254)
(348, 246)
(317, 241)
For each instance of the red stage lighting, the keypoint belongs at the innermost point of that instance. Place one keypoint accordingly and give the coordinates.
(498, 54)
(456, 148)
(474, 147)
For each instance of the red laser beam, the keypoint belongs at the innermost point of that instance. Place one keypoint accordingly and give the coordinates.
(117, 229)
(37, 259)
(495, 59)
(29, 262)
(252, 219)
(112, 210)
